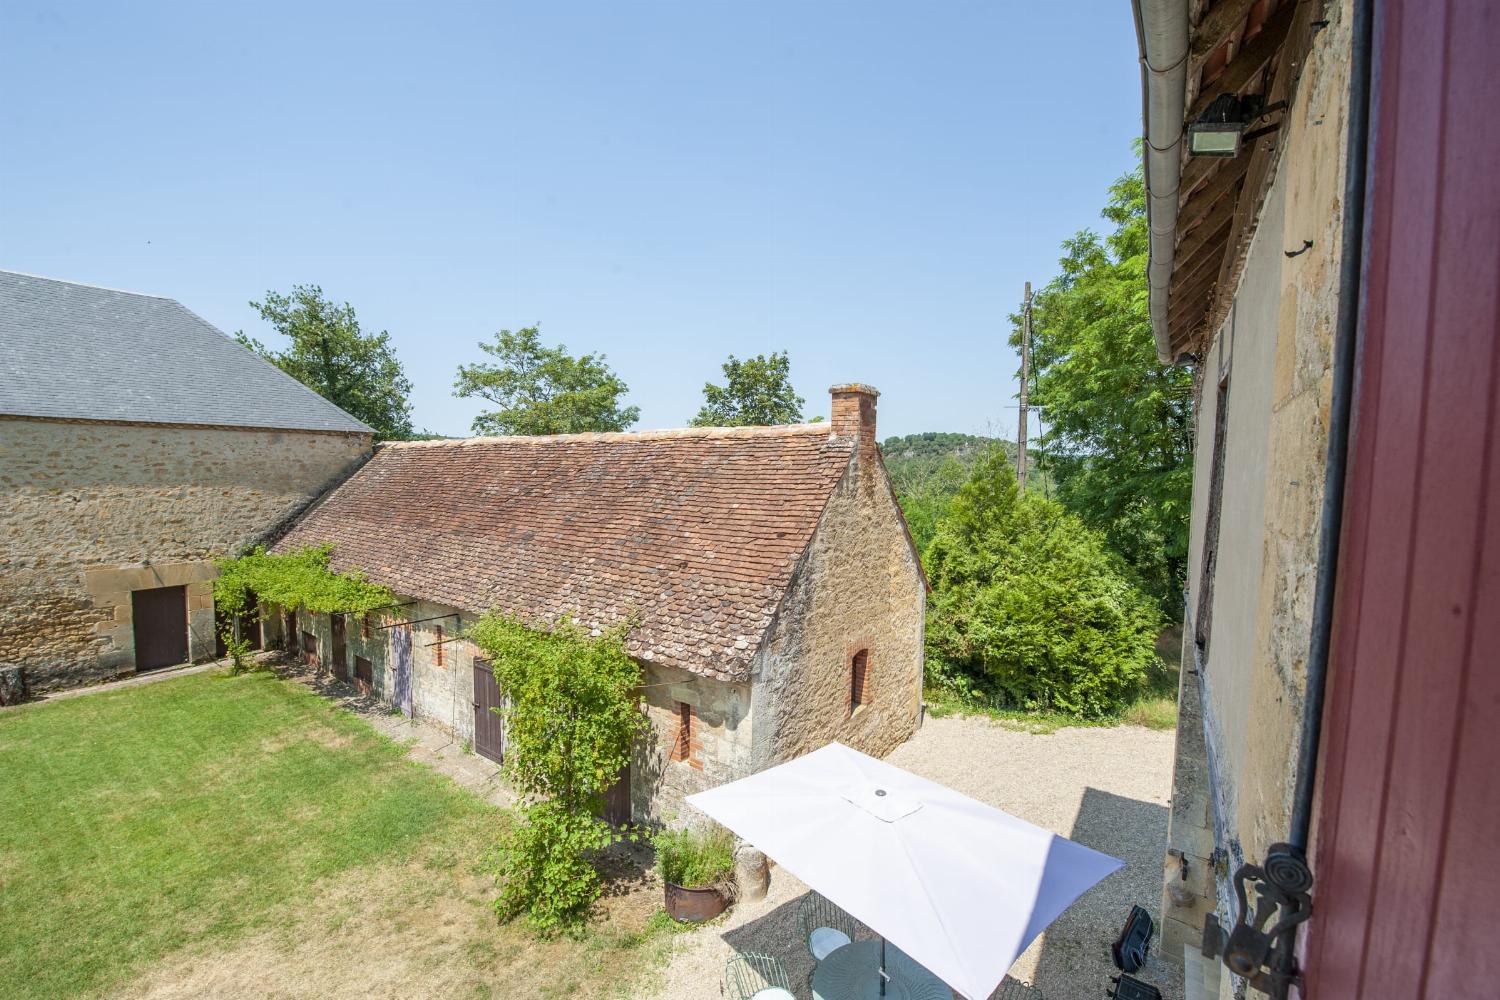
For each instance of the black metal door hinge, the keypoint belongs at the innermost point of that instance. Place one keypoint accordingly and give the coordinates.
(1261, 944)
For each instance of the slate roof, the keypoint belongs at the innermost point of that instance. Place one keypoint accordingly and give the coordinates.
(695, 531)
(81, 352)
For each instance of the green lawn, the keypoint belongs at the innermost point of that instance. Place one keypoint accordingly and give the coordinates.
(175, 821)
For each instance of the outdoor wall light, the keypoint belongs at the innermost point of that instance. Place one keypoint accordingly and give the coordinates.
(1220, 130)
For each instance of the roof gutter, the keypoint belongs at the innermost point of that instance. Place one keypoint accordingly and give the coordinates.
(1161, 28)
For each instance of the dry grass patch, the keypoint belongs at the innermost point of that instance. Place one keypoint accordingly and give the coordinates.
(423, 928)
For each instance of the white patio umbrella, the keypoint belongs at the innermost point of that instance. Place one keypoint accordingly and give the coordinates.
(961, 887)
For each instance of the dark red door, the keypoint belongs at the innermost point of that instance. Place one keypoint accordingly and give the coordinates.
(159, 618)
(340, 667)
(488, 730)
(617, 799)
(1409, 802)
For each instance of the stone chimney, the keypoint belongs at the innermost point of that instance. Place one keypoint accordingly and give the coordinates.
(854, 415)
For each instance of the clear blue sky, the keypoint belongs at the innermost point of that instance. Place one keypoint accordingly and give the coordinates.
(863, 184)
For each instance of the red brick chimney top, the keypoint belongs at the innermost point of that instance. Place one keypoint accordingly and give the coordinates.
(854, 413)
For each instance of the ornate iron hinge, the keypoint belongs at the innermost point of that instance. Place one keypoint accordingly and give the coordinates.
(1260, 946)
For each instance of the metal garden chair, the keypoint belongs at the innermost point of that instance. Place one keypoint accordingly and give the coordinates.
(757, 977)
(825, 927)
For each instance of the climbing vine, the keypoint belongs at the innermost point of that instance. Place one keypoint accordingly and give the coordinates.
(300, 579)
(571, 721)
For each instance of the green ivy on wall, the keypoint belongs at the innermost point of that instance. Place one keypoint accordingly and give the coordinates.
(300, 579)
(571, 722)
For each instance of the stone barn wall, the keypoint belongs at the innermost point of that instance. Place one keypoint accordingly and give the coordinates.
(94, 511)
(719, 751)
(859, 588)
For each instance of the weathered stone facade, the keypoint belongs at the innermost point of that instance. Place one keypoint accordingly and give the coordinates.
(1240, 709)
(96, 510)
(859, 588)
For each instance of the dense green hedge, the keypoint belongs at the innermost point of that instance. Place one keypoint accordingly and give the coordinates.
(1029, 610)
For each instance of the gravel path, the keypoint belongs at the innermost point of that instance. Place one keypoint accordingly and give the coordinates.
(1107, 788)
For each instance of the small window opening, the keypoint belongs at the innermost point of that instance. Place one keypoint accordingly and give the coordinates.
(364, 626)
(438, 658)
(858, 666)
(682, 747)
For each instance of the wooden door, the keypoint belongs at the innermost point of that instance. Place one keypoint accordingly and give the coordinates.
(401, 668)
(340, 667)
(488, 727)
(617, 799)
(364, 675)
(1409, 801)
(250, 622)
(223, 621)
(160, 623)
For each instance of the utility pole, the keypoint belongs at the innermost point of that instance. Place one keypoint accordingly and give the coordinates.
(1025, 385)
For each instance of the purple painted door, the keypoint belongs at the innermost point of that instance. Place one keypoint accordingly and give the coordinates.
(401, 668)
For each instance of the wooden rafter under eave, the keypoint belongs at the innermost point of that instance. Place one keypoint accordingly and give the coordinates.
(1280, 87)
(1210, 255)
(1250, 60)
(1226, 17)
(1226, 178)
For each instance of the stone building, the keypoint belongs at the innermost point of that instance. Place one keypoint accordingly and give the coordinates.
(1330, 275)
(776, 596)
(137, 444)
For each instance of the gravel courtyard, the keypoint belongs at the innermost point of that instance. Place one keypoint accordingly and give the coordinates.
(1107, 788)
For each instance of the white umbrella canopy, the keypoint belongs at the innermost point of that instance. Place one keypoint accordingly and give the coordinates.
(960, 886)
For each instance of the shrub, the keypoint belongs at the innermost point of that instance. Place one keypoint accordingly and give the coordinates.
(693, 858)
(544, 868)
(1028, 609)
(570, 721)
(238, 651)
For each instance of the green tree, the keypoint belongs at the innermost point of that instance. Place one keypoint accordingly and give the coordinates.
(543, 390)
(1029, 610)
(927, 469)
(571, 722)
(756, 392)
(328, 352)
(1118, 422)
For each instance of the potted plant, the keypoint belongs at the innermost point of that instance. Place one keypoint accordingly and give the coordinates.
(697, 870)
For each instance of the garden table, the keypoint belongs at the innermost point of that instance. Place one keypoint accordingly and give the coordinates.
(853, 973)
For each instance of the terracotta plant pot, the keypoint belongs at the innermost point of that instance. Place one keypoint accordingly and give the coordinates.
(689, 906)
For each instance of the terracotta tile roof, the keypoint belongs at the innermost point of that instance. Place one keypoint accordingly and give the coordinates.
(696, 531)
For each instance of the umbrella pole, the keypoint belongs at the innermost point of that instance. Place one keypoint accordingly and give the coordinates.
(883, 976)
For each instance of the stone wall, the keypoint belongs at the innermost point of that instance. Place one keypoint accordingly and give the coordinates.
(859, 587)
(96, 510)
(1237, 743)
(720, 749)
(442, 693)
(443, 696)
